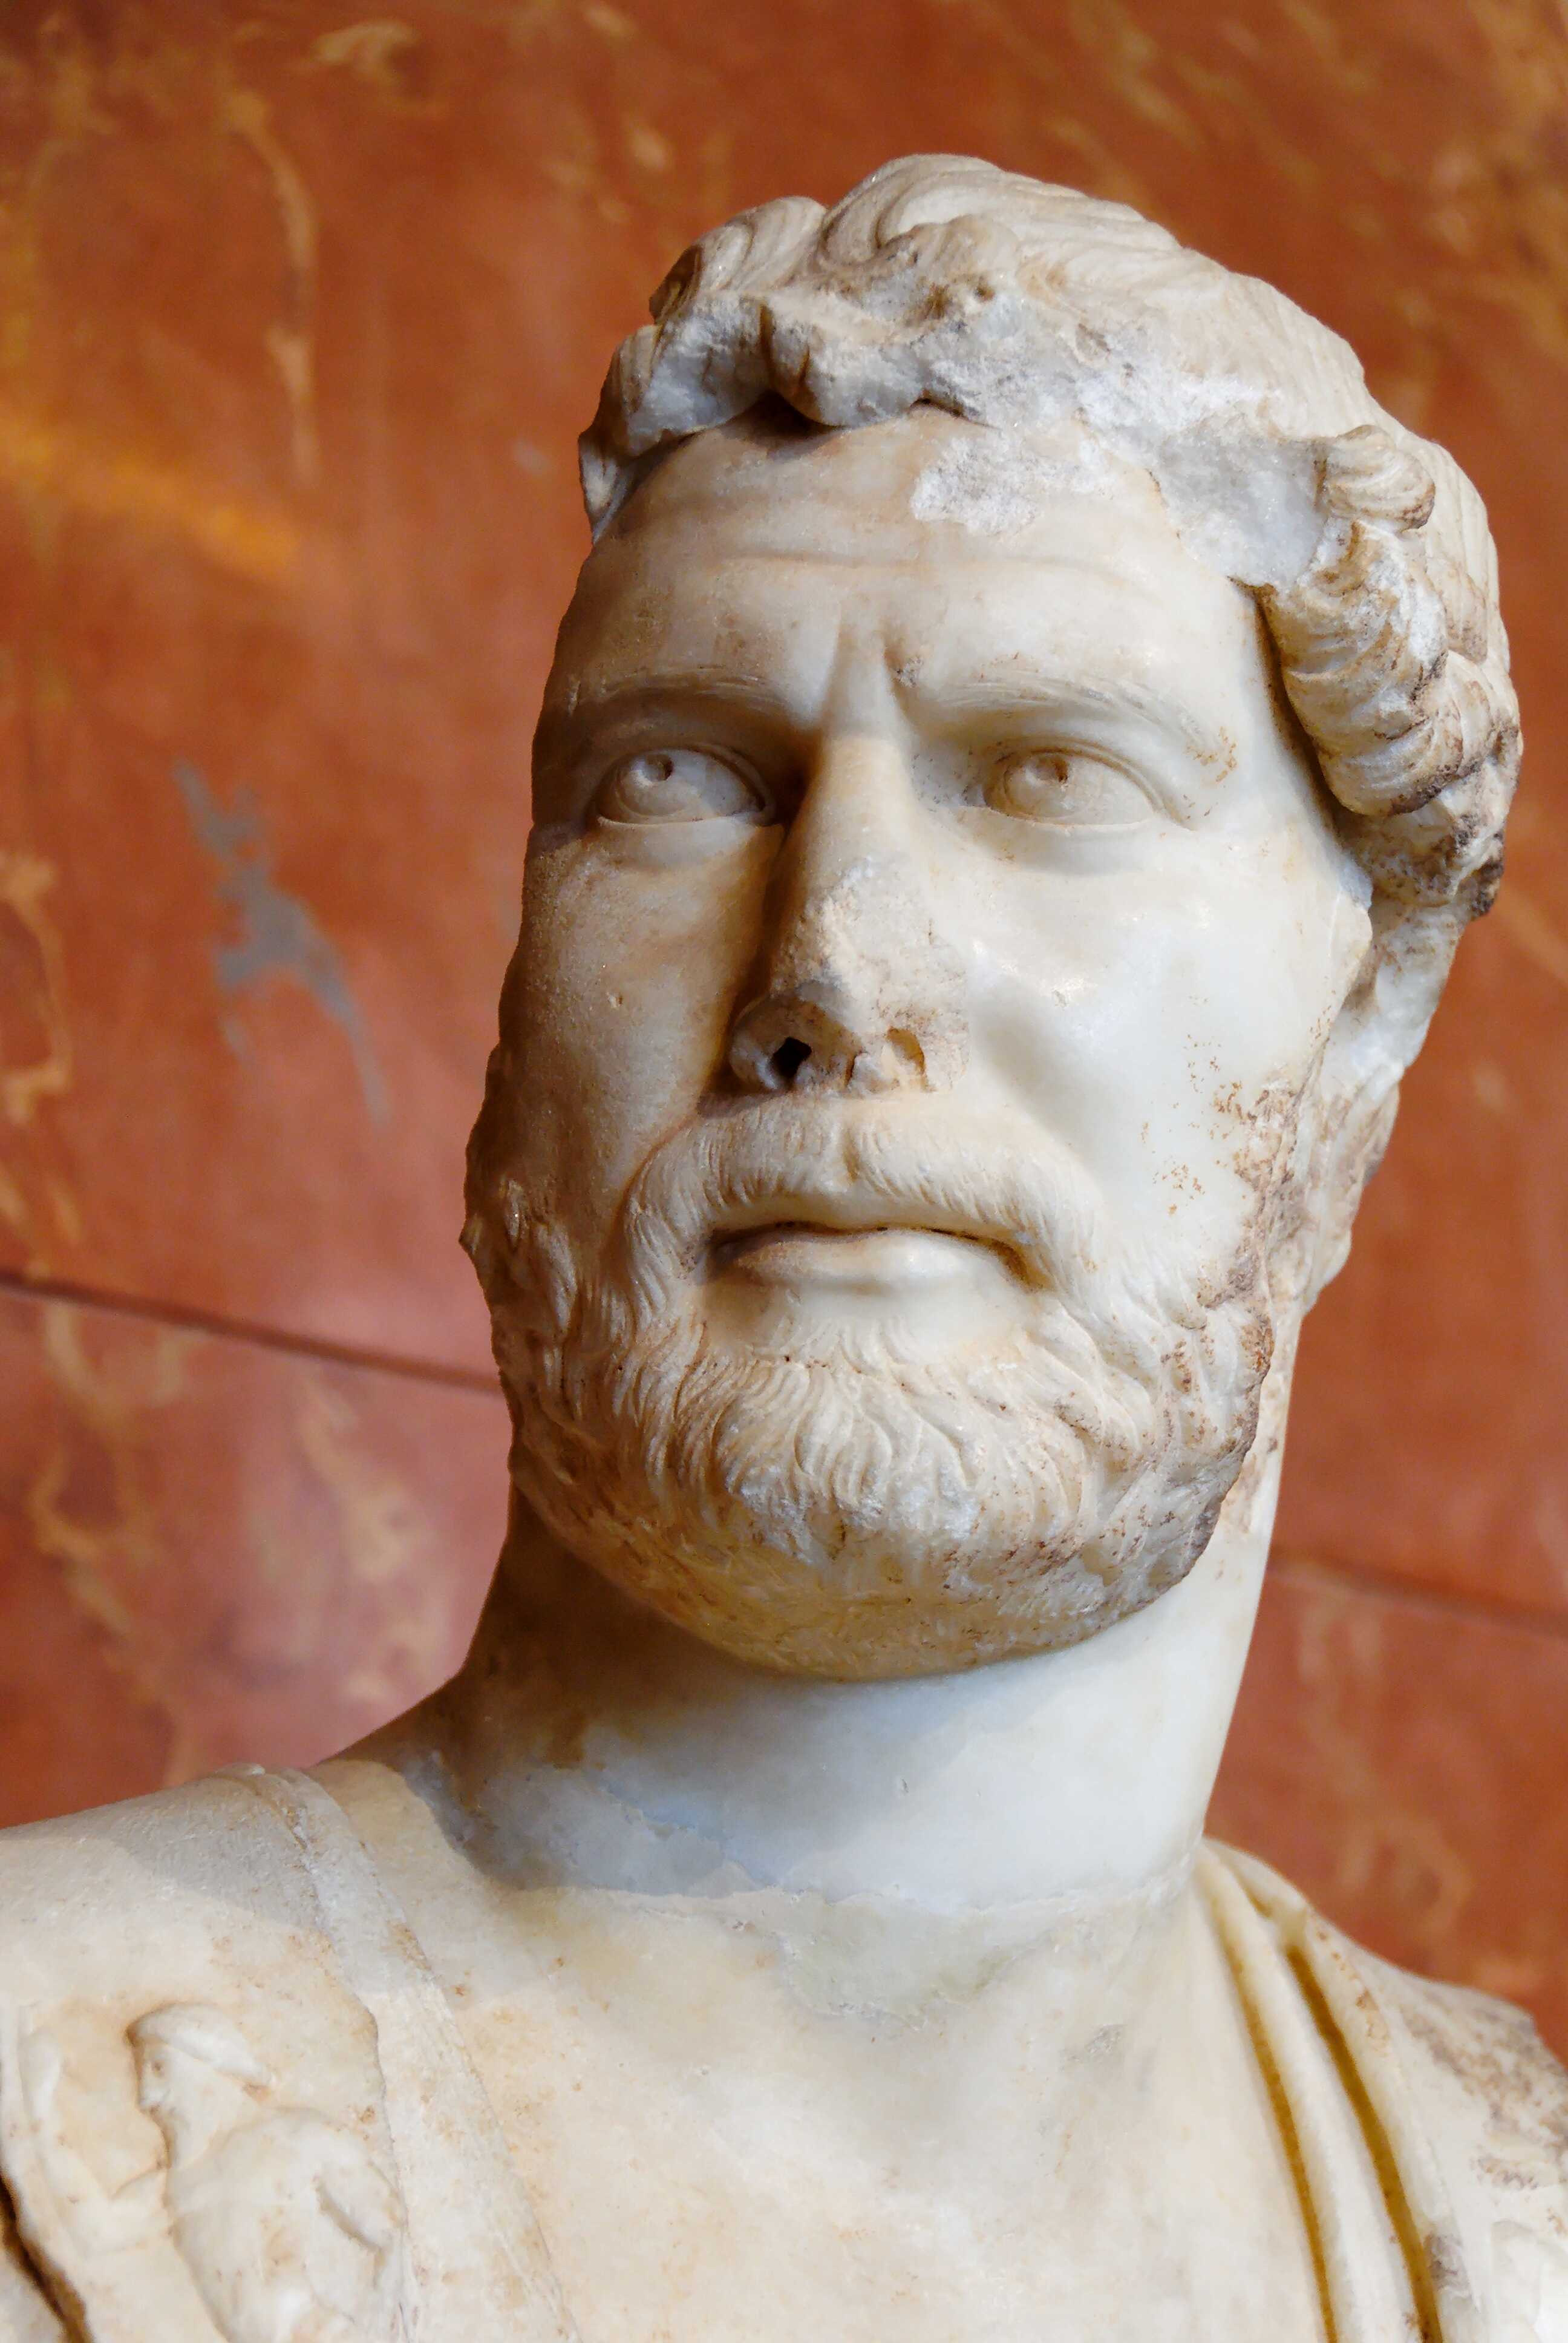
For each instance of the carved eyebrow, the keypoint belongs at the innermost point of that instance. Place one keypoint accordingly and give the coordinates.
(1068, 699)
(655, 686)
(753, 698)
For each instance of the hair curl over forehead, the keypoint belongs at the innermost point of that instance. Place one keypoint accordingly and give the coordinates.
(944, 281)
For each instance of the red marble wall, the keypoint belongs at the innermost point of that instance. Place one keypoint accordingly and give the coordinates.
(299, 312)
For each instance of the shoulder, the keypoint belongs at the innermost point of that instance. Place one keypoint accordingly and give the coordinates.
(212, 1846)
(185, 1942)
(200, 1898)
(1468, 2106)
(1495, 2102)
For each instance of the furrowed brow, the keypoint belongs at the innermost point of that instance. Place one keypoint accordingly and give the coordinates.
(1073, 702)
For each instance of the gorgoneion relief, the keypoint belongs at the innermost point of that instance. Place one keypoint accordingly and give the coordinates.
(1027, 741)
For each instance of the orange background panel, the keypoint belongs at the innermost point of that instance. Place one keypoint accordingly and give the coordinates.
(211, 1546)
(1402, 1755)
(299, 314)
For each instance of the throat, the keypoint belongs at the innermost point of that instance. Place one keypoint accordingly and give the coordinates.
(589, 1744)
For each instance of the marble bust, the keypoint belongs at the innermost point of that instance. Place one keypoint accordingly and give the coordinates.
(1028, 739)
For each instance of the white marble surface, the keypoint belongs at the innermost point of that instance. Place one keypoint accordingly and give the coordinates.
(1026, 742)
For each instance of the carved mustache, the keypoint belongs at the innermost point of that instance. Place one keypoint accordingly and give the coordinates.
(861, 1166)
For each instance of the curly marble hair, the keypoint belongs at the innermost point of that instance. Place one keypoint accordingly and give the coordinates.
(946, 281)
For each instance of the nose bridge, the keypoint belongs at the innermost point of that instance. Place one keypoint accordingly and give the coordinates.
(853, 821)
(861, 992)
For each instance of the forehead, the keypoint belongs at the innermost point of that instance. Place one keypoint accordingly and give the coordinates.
(964, 551)
(925, 482)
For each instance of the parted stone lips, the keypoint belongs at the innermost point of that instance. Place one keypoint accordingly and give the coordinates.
(879, 1252)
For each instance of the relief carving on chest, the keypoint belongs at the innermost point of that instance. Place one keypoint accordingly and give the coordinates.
(287, 2228)
(1028, 736)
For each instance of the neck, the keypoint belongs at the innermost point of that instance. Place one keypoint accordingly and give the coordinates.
(590, 1745)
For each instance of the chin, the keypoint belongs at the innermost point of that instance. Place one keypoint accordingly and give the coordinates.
(850, 1517)
(759, 1609)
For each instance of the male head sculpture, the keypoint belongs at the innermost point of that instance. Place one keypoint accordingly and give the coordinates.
(1027, 741)
(1016, 653)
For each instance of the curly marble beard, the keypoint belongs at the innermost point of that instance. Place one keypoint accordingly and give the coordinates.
(840, 1503)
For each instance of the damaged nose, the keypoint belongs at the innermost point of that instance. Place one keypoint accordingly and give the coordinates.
(813, 1040)
(864, 997)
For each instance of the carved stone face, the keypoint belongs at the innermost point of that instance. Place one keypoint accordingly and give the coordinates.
(933, 923)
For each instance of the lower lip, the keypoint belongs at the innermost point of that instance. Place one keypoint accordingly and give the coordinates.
(870, 1259)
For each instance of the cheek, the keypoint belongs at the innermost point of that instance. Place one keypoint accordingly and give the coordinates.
(1158, 1023)
(627, 983)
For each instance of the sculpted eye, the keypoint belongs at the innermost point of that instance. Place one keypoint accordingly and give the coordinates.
(1074, 791)
(677, 785)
